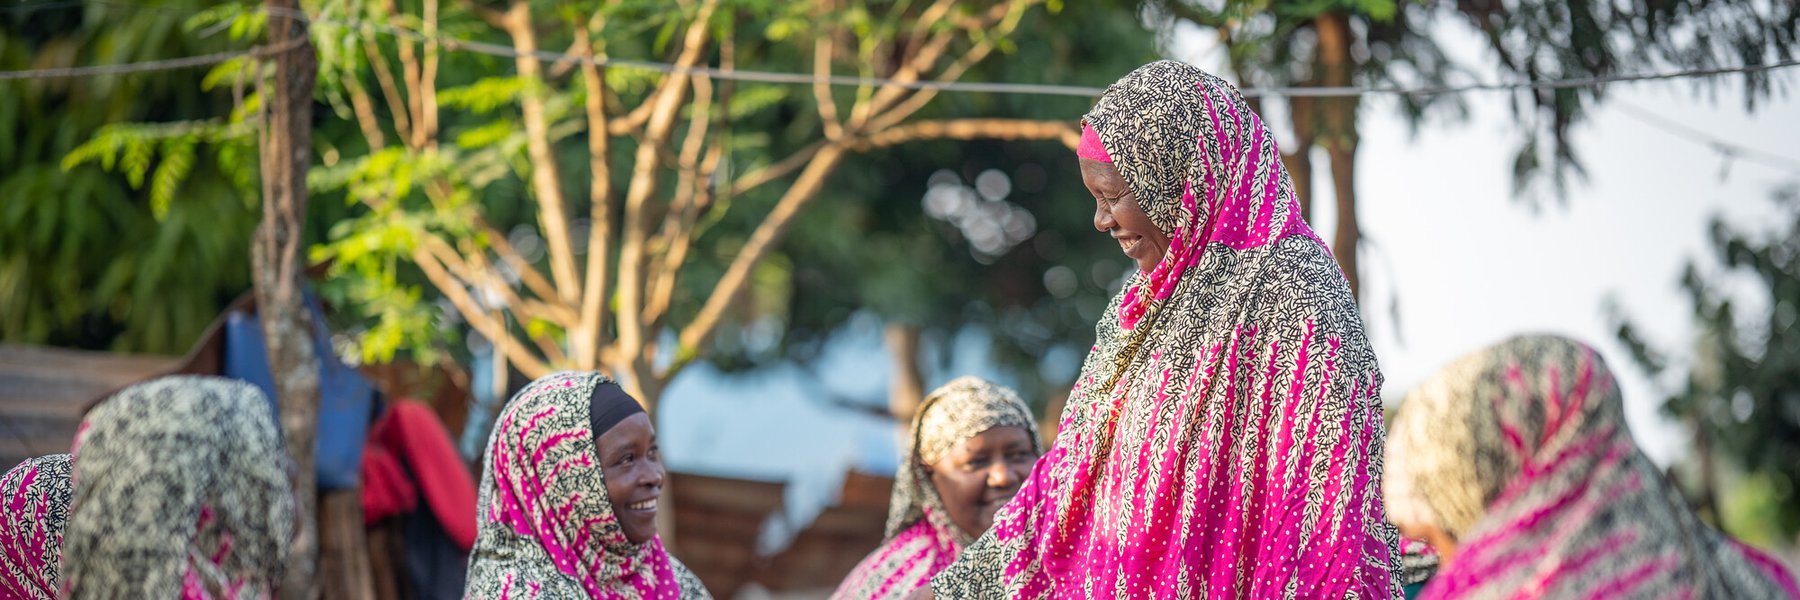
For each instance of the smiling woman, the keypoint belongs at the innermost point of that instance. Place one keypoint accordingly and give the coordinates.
(1222, 437)
(568, 499)
(972, 443)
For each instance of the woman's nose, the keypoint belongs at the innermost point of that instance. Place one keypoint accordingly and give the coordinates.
(655, 477)
(1000, 475)
(1103, 219)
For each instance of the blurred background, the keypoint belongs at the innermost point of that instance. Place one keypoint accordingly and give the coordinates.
(781, 223)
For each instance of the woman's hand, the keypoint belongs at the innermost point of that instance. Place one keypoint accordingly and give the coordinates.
(923, 593)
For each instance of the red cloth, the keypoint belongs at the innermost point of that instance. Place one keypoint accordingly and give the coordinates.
(410, 437)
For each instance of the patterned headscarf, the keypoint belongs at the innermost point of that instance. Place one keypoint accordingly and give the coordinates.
(34, 507)
(1223, 439)
(921, 539)
(1520, 452)
(547, 528)
(181, 490)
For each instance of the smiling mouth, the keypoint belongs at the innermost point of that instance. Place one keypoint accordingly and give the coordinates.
(1127, 244)
(645, 505)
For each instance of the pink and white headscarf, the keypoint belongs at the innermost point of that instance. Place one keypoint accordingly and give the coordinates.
(1224, 437)
(546, 528)
(1520, 453)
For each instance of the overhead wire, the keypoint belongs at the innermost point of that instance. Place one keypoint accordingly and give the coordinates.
(776, 77)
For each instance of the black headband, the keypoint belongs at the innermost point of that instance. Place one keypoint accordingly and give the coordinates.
(609, 405)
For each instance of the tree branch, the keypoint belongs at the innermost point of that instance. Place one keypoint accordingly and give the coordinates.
(1006, 14)
(409, 69)
(1007, 23)
(782, 168)
(632, 121)
(822, 88)
(427, 94)
(482, 275)
(390, 90)
(804, 190)
(527, 273)
(493, 17)
(666, 100)
(589, 335)
(545, 177)
(971, 129)
(477, 318)
(683, 210)
(364, 107)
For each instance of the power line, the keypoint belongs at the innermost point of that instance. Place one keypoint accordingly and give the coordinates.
(1730, 150)
(774, 77)
(171, 64)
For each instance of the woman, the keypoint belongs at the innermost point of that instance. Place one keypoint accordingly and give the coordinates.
(181, 490)
(972, 443)
(1223, 439)
(34, 507)
(1516, 463)
(568, 499)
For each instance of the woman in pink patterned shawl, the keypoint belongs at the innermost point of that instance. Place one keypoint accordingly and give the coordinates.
(34, 508)
(1224, 437)
(972, 443)
(1515, 461)
(568, 499)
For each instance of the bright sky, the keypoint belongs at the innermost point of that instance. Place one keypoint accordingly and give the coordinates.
(1471, 265)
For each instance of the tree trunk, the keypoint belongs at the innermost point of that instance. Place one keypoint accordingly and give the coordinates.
(1302, 112)
(907, 389)
(1338, 135)
(278, 266)
(1709, 478)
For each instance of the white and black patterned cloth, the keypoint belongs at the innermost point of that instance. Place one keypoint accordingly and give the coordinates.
(1224, 437)
(181, 490)
(34, 508)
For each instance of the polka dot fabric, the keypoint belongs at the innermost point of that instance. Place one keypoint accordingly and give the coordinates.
(1224, 438)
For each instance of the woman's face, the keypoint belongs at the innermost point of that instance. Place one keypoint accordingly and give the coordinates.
(632, 464)
(1440, 541)
(981, 474)
(1116, 212)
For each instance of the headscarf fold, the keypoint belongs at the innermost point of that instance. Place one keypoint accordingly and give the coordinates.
(34, 507)
(1521, 453)
(1223, 439)
(921, 540)
(547, 528)
(181, 490)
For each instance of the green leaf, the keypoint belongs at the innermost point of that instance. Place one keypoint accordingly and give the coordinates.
(177, 161)
(484, 95)
(485, 135)
(136, 162)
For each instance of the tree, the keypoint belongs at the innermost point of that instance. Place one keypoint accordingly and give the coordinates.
(662, 158)
(113, 234)
(1376, 43)
(938, 236)
(278, 268)
(1741, 390)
